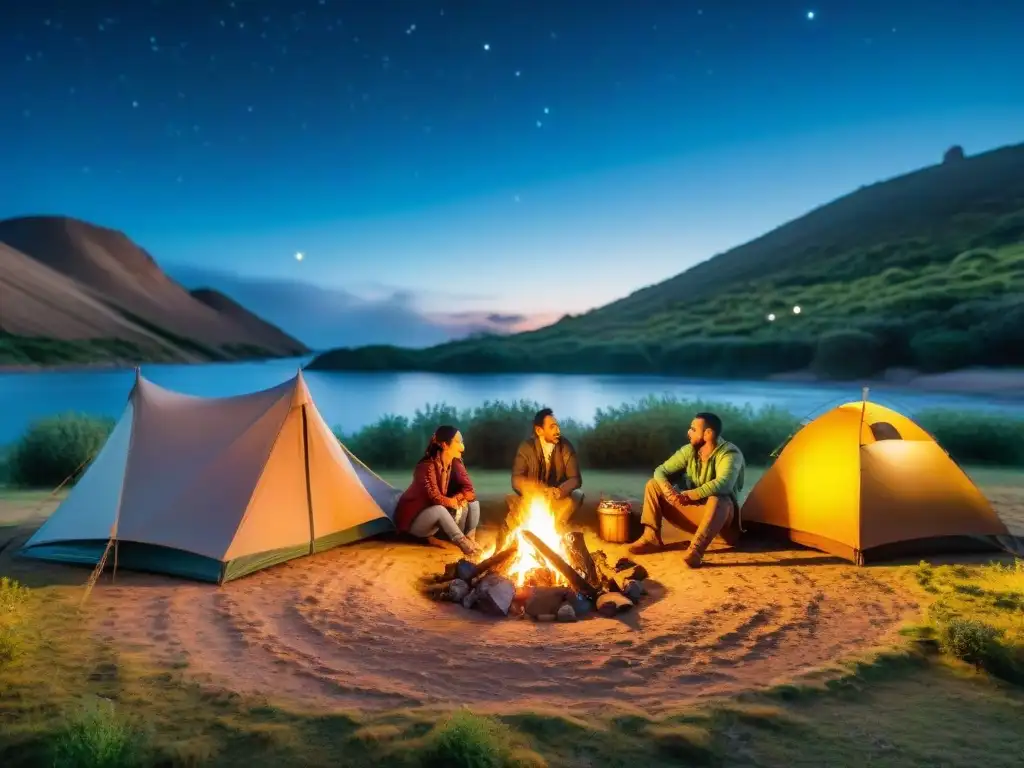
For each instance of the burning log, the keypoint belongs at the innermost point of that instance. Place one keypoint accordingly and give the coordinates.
(497, 559)
(578, 582)
(580, 558)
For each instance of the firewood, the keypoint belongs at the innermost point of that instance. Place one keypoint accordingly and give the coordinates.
(610, 580)
(580, 559)
(493, 563)
(611, 603)
(578, 582)
(495, 594)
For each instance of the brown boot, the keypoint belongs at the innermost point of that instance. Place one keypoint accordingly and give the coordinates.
(649, 542)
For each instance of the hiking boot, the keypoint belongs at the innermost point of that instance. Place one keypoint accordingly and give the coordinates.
(650, 541)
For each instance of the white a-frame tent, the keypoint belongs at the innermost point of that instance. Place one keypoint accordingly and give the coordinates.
(216, 488)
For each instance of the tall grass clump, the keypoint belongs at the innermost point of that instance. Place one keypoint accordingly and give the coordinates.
(99, 736)
(13, 597)
(56, 448)
(465, 740)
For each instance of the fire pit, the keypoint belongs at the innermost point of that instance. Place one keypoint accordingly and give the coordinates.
(542, 573)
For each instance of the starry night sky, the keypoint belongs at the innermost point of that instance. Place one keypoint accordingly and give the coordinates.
(445, 166)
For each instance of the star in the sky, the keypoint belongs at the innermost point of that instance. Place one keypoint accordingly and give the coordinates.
(810, 15)
(487, 46)
(299, 255)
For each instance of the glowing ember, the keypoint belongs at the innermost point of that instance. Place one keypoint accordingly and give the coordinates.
(536, 517)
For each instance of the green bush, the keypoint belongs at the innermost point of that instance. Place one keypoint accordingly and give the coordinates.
(643, 435)
(56, 448)
(943, 350)
(465, 740)
(847, 354)
(99, 736)
(976, 438)
(492, 433)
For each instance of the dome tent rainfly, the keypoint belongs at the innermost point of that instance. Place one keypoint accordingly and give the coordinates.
(866, 483)
(216, 488)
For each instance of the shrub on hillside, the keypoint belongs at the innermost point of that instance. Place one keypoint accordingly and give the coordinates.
(944, 350)
(847, 354)
(56, 449)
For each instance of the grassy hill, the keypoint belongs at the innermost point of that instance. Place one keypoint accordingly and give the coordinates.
(925, 270)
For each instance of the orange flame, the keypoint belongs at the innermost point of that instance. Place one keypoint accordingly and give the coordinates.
(537, 518)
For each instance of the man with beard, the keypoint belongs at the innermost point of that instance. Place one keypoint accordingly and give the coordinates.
(709, 471)
(546, 465)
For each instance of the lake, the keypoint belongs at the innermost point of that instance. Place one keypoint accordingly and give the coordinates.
(352, 400)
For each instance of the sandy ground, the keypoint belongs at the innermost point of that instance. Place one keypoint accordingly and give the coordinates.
(350, 628)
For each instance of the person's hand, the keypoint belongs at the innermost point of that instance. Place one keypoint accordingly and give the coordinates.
(553, 493)
(689, 497)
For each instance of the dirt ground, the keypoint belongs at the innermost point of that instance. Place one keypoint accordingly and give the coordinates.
(352, 628)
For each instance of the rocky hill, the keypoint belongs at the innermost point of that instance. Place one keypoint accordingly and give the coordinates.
(73, 292)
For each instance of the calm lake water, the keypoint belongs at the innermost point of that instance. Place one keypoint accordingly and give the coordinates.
(352, 400)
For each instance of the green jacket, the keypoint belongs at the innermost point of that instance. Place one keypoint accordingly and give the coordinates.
(722, 475)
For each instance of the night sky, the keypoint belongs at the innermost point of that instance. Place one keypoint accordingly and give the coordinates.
(445, 166)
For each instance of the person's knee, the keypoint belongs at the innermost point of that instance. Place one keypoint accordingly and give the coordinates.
(652, 487)
(577, 496)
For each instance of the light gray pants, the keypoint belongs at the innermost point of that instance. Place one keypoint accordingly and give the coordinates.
(427, 522)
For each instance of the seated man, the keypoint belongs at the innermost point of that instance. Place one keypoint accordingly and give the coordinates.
(546, 464)
(706, 505)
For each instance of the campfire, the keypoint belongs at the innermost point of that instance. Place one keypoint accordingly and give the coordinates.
(542, 573)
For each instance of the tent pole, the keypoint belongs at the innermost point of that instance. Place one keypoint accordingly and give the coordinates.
(863, 408)
(309, 487)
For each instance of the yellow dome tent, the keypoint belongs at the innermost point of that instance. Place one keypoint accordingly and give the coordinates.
(864, 482)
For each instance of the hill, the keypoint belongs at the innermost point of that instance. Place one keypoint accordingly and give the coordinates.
(925, 270)
(73, 292)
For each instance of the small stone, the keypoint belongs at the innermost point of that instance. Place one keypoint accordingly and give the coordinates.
(639, 573)
(470, 600)
(566, 613)
(633, 590)
(457, 590)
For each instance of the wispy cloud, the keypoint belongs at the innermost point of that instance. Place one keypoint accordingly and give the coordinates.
(331, 317)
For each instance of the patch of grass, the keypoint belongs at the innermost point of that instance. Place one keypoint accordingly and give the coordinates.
(13, 597)
(99, 735)
(465, 740)
(976, 614)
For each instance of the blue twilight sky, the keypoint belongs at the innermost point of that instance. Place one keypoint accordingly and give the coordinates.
(451, 166)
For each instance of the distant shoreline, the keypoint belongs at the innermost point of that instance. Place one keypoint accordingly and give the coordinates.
(1001, 382)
